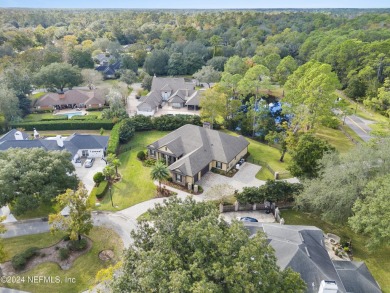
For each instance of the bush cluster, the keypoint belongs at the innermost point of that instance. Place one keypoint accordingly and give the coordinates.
(126, 130)
(64, 253)
(141, 155)
(98, 177)
(77, 245)
(65, 125)
(172, 122)
(20, 260)
(101, 189)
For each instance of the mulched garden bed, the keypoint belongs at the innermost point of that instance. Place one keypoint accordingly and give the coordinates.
(48, 254)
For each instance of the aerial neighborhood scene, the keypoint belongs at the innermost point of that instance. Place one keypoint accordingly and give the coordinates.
(208, 146)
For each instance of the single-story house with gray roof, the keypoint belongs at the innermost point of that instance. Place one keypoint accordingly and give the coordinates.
(302, 248)
(191, 151)
(79, 145)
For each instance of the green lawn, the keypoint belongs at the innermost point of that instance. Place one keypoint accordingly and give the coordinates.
(40, 116)
(377, 261)
(136, 185)
(270, 155)
(42, 211)
(336, 138)
(84, 269)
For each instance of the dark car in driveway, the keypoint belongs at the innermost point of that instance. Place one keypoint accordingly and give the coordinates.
(247, 219)
(89, 162)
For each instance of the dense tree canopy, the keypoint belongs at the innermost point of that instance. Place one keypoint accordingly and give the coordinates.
(58, 75)
(189, 249)
(342, 179)
(29, 177)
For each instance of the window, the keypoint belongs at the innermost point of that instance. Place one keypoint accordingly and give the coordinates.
(179, 177)
(152, 152)
(219, 165)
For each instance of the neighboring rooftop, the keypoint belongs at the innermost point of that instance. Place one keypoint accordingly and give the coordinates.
(72, 97)
(302, 249)
(72, 143)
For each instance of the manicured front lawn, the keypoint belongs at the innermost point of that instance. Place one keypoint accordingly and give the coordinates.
(267, 154)
(42, 211)
(377, 261)
(136, 185)
(84, 269)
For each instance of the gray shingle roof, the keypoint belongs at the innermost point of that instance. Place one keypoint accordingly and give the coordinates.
(302, 249)
(72, 143)
(356, 277)
(194, 99)
(170, 83)
(10, 135)
(199, 146)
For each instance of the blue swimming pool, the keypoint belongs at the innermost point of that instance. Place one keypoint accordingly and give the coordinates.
(71, 114)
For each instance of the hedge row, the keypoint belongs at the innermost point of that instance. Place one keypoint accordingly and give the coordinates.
(96, 109)
(101, 189)
(113, 142)
(164, 122)
(65, 125)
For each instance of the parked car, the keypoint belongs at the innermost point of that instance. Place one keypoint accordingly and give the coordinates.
(241, 161)
(247, 219)
(89, 162)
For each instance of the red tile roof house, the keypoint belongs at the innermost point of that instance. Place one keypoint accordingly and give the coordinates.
(71, 99)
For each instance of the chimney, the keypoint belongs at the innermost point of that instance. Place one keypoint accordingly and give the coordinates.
(18, 135)
(328, 287)
(36, 134)
(60, 141)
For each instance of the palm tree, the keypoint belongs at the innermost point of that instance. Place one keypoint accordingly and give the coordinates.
(108, 172)
(113, 161)
(159, 172)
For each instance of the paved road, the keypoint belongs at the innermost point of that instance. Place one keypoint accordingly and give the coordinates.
(359, 126)
(132, 102)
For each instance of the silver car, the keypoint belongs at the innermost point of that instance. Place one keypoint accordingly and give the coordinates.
(89, 162)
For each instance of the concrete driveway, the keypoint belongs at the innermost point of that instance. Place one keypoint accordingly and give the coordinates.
(86, 174)
(261, 216)
(245, 177)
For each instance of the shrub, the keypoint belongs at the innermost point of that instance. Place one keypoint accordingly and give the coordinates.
(41, 111)
(141, 155)
(101, 189)
(149, 162)
(331, 122)
(65, 125)
(113, 142)
(126, 130)
(66, 238)
(20, 260)
(77, 245)
(64, 253)
(98, 177)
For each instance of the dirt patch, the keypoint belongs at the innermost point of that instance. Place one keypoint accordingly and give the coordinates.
(106, 255)
(48, 254)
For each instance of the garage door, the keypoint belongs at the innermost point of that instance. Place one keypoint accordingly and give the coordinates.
(204, 170)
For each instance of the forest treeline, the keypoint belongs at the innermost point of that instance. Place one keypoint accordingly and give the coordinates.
(356, 43)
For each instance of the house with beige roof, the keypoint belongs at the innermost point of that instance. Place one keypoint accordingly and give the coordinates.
(172, 91)
(191, 151)
(71, 99)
